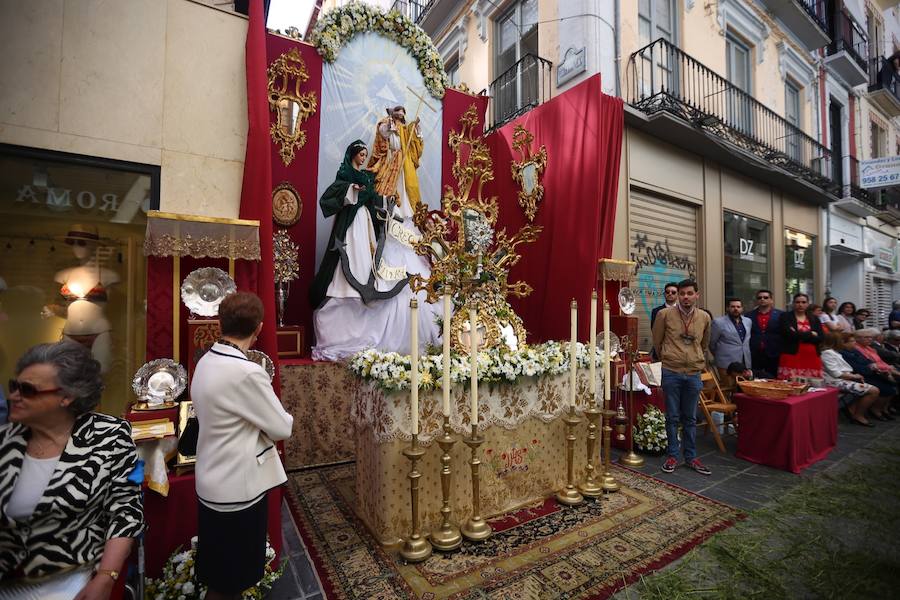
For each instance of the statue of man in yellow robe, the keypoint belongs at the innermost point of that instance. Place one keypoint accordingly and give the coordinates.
(395, 157)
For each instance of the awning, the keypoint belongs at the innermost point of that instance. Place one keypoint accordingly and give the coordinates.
(170, 234)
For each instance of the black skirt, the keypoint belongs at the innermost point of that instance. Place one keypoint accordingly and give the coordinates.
(231, 547)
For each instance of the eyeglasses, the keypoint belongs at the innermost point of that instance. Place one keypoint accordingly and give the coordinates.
(763, 297)
(27, 390)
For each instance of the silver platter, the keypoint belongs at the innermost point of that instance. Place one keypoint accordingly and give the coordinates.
(263, 360)
(627, 301)
(159, 380)
(614, 343)
(204, 289)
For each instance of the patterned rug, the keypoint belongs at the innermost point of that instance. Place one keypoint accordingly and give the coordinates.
(538, 552)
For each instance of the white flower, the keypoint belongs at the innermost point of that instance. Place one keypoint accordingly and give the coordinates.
(188, 588)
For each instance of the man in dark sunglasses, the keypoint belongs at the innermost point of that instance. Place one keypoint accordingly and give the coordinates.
(765, 340)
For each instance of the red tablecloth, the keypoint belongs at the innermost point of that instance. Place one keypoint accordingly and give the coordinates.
(172, 521)
(789, 434)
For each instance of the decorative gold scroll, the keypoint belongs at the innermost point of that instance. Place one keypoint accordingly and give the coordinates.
(528, 171)
(469, 259)
(291, 107)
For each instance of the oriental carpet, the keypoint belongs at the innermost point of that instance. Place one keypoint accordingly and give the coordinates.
(540, 551)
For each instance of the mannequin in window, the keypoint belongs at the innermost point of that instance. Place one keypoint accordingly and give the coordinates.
(83, 295)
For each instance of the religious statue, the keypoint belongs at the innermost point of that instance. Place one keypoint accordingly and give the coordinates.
(395, 158)
(360, 292)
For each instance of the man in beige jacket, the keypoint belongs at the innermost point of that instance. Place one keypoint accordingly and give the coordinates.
(681, 339)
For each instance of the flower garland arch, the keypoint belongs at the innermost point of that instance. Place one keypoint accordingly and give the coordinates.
(338, 26)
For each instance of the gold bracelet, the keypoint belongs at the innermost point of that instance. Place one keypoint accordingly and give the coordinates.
(114, 575)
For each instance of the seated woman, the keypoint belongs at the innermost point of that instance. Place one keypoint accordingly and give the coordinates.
(856, 396)
(360, 293)
(862, 357)
(69, 505)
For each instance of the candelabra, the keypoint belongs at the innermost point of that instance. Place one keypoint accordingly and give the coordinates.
(447, 537)
(591, 486)
(570, 495)
(630, 458)
(475, 529)
(416, 548)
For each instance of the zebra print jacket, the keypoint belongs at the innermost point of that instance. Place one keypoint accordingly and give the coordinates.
(88, 501)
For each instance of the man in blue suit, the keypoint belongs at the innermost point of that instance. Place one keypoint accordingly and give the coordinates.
(765, 340)
(729, 339)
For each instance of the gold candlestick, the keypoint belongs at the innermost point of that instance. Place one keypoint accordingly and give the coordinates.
(569, 495)
(608, 481)
(447, 536)
(416, 548)
(475, 529)
(630, 458)
(591, 487)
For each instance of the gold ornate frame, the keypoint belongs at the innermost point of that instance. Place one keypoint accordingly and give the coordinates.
(528, 199)
(291, 107)
(476, 277)
(285, 186)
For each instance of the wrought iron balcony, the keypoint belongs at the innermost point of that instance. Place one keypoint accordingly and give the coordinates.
(805, 18)
(884, 86)
(412, 9)
(660, 77)
(517, 90)
(848, 48)
(854, 190)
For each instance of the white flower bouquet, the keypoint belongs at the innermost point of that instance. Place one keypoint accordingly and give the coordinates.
(179, 583)
(390, 371)
(650, 430)
(337, 26)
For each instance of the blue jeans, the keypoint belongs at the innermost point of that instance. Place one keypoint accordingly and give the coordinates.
(682, 394)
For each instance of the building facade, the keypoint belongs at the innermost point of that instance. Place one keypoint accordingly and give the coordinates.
(745, 124)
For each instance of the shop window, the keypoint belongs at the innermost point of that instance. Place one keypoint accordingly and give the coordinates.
(799, 264)
(71, 261)
(746, 257)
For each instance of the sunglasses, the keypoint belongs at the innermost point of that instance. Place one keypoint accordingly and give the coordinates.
(763, 297)
(27, 390)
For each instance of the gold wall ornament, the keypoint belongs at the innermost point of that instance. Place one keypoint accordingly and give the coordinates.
(291, 107)
(528, 171)
(469, 258)
(286, 205)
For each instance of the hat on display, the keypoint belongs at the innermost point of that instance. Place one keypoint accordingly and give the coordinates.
(82, 234)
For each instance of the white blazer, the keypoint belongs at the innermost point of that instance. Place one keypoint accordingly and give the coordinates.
(240, 418)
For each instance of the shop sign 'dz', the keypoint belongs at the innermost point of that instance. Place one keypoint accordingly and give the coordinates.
(286, 75)
(529, 171)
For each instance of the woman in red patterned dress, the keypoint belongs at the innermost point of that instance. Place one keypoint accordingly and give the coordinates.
(801, 335)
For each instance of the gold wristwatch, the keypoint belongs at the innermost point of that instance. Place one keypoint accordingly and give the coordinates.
(114, 575)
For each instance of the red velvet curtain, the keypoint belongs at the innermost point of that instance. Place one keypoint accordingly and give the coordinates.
(303, 174)
(455, 104)
(582, 131)
(257, 184)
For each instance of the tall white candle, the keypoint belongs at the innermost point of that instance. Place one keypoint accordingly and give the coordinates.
(414, 363)
(473, 357)
(593, 346)
(445, 387)
(606, 389)
(573, 353)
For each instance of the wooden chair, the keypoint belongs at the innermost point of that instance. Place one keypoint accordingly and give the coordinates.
(713, 400)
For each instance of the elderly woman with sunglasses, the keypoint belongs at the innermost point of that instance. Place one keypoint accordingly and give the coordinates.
(69, 505)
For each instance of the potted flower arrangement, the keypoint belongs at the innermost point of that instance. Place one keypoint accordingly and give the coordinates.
(650, 431)
(179, 583)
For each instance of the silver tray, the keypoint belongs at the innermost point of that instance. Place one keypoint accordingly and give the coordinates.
(614, 344)
(204, 289)
(263, 360)
(160, 380)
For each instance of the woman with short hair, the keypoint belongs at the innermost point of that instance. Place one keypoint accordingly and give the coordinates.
(240, 418)
(69, 503)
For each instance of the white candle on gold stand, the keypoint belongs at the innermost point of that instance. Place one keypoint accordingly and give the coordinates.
(606, 390)
(593, 348)
(573, 353)
(414, 363)
(445, 387)
(473, 357)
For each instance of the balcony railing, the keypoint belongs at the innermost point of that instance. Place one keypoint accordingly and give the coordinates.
(847, 36)
(661, 77)
(882, 77)
(816, 10)
(520, 88)
(412, 9)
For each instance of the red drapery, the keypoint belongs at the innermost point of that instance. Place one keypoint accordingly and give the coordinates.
(303, 174)
(454, 105)
(582, 131)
